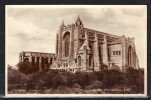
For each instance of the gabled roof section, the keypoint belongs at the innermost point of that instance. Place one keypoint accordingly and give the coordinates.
(86, 43)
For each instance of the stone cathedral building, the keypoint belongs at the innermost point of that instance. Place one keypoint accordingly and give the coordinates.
(39, 59)
(84, 49)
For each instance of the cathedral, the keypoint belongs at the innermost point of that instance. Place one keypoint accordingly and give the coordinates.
(82, 49)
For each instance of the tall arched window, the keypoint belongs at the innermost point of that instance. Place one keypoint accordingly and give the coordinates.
(91, 60)
(90, 45)
(108, 52)
(50, 61)
(33, 60)
(91, 56)
(66, 43)
(26, 59)
(100, 54)
(42, 63)
(130, 55)
(79, 61)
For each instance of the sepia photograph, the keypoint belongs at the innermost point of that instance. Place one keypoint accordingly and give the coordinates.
(76, 50)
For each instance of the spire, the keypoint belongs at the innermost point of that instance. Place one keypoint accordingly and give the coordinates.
(79, 22)
(62, 24)
(78, 19)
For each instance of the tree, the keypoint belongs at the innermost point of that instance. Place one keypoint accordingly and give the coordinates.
(70, 79)
(103, 67)
(16, 79)
(134, 78)
(27, 68)
(82, 78)
(34, 80)
(99, 75)
(115, 67)
(111, 78)
(48, 77)
(57, 80)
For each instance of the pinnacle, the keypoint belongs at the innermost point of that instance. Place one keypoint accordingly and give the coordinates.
(62, 24)
(78, 19)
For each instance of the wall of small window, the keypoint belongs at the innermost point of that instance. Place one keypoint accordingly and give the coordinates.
(116, 52)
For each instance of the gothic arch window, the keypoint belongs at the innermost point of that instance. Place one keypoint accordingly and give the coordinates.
(46, 60)
(100, 54)
(37, 61)
(33, 60)
(58, 65)
(26, 59)
(79, 61)
(109, 56)
(90, 45)
(42, 62)
(130, 55)
(91, 60)
(66, 39)
(50, 60)
(66, 64)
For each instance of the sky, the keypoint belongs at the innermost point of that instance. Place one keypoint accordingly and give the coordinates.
(34, 28)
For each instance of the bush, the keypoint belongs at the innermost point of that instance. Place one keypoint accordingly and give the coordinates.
(94, 85)
(76, 86)
(70, 79)
(36, 81)
(47, 77)
(99, 75)
(41, 85)
(27, 68)
(57, 80)
(135, 79)
(115, 67)
(66, 82)
(16, 79)
(103, 67)
(112, 77)
(92, 77)
(82, 78)
(63, 90)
